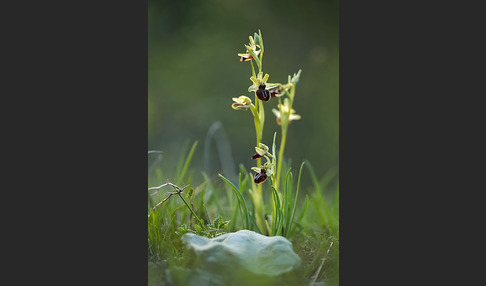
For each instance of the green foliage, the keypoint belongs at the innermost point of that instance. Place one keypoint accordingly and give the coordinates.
(284, 211)
(326, 213)
(168, 217)
(182, 172)
(247, 216)
(312, 224)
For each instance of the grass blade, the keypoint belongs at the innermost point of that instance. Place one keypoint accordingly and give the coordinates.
(287, 198)
(241, 199)
(318, 197)
(186, 164)
(304, 209)
(314, 179)
(296, 198)
(278, 220)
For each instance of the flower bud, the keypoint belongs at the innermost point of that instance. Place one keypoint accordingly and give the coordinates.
(262, 149)
(241, 103)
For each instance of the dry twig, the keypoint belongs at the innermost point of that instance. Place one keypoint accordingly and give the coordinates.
(178, 191)
(320, 266)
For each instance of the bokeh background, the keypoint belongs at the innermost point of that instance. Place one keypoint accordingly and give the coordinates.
(194, 71)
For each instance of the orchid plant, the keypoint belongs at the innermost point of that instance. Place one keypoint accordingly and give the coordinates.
(266, 93)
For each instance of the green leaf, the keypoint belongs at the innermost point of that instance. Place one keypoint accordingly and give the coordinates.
(217, 221)
(287, 200)
(276, 221)
(241, 199)
(304, 209)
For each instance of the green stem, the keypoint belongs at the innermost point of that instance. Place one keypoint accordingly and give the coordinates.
(274, 213)
(261, 61)
(257, 197)
(280, 156)
(201, 222)
(252, 69)
(261, 46)
(285, 123)
(259, 140)
(257, 60)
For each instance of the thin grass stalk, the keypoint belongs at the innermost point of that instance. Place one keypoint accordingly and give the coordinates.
(304, 209)
(280, 157)
(286, 197)
(186, 164)
(321, 207)
(240, 198)
(276, 219)
(288, 205)
(295, 200)
(182, 156)
(201, 222)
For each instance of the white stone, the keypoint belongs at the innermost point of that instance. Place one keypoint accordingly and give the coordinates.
(259, 254)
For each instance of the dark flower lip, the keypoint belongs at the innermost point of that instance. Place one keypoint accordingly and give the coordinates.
(256, 156)
(260, 177)
(243, 59)
(263, 94)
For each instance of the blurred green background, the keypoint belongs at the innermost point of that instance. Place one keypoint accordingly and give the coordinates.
(194, 71)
